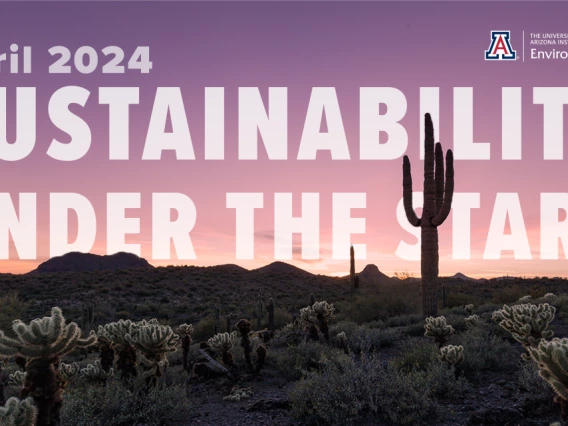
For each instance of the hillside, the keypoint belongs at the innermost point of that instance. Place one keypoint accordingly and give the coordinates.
(82, 262)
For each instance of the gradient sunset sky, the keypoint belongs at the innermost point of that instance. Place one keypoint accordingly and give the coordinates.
(297, 45)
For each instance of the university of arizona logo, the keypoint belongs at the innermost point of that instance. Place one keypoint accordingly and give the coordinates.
(500, 47)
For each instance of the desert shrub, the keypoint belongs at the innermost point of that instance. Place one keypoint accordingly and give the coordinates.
(281, 317)
(204, 329)
(348, 327)
(529, 380)
(12, 308)
(508, 295)
(417, 354)
(294, 361)
(404, 320)
(484, 350)
(391, 300)
(346, 393)
(443, 382)
(367, 340)
(115, 405)
(460, 299)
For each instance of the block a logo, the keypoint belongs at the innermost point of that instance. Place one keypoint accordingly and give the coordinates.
(500, 48)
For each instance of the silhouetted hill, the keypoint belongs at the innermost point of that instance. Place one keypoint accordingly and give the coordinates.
(281, 268)
(460, 276)
(83, 262)
(371, 274)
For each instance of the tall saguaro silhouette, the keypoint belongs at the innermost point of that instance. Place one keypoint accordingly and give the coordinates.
(438, 194)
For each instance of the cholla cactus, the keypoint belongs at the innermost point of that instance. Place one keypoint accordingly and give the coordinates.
(116, 332)
(469, 308)
(69, 370)
(154, 341)
(551, 297)
(18, 413)
(224, 342)
(527, 323)
(438, 329)
(106, 349)
(184, 332)
(42, 342)
(342, 341)
(473, 321)
(238, 394)
(525, 299)
(451, 354)
(244, 327)
(319, 313)
(552, 360)
(95, 373)
(17, 379)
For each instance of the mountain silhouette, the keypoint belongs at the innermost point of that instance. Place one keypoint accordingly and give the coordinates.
(372, 275)
(80, 262)
(281, 267)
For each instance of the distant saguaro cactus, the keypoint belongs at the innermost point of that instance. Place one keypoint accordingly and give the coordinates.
(352, 277)
(270, 310)
(218, 316)
(259, 310)
(438, 194)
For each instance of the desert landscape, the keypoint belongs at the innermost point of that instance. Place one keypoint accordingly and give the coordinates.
(331, 353)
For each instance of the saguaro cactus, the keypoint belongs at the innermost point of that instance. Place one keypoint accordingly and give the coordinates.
(438, 194)
(259, 310)
(218, 316)
(352, 277)
(270, 310)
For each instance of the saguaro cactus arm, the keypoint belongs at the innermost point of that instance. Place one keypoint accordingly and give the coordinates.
(413, 219)
(448, 196)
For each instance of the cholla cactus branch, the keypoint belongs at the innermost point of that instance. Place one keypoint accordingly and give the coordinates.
(469, 308)
(527, 323)
(451, 354)
(438, 329)
(18, 413)
(473, 321)
(184, 332)
(96, 373)
(69, 370)
(17, 379)
(552, 360)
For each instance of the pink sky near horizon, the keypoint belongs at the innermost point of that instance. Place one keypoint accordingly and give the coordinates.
(300, 46)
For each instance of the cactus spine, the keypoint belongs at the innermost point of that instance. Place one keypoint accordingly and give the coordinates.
(270, 310)
(438, 196)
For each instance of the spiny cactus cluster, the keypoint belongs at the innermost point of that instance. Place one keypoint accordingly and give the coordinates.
(317, 316)
(18, 413)
(69, 370)
(473, 321)
(551, 297)
(154, 341)
(95, 373)
(238, 394)
(42, 343)
(469, 308)
(184, 332)
(17, 379)
(529, 324)
(439, 329)
(341, 339)
(223, 343)
(552, 361)
(451, 354)
(525, 299)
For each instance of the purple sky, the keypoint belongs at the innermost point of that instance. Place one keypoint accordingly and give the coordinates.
(297, 45)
